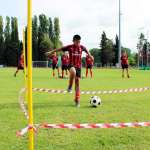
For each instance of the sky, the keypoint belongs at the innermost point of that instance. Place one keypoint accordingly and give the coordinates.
(89, 18)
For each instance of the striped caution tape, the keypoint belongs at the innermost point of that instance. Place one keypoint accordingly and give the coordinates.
(94, 92)
(22, 104)
(86, 126)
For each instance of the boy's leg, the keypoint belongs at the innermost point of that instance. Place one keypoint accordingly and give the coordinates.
(127, 73)
(91, 72)
(77, 91)
(53, 73)
(62, 73)
(71, 78)
(66, 71)
(122, 73)
(86, 72)
(16, 72)
(58, 71)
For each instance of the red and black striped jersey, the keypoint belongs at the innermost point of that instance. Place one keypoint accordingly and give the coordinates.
(89, 61)
(75, 54)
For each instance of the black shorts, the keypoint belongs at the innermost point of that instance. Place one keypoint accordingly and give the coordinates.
(64, 67)
(20, 67)
(54, 66)
(78, 70)
(89, 66)
(124, 66)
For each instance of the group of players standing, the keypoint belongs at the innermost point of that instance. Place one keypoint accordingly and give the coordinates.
(65, 64)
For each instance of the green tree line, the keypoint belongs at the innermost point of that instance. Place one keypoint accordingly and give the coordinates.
(46, 35)
(107, 53)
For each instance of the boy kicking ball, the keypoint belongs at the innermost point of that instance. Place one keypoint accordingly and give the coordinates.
(75, 53)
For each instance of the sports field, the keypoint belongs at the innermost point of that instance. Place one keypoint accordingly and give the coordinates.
(59, 108)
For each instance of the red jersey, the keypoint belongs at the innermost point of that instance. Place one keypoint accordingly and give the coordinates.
(89, 61)
(124, 60)
(65, 60)
(54, 60)
(75, 54)
(21, 61)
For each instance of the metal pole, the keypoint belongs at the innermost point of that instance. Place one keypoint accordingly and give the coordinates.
(119, 54)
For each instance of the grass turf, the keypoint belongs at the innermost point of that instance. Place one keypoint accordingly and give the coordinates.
(57, 108)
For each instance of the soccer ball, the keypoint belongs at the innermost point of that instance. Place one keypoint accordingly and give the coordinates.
(95, 101)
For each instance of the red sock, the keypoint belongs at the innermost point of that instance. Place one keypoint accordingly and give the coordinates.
(53, 73)
(77, 96)
(91, 73)
(86, 72)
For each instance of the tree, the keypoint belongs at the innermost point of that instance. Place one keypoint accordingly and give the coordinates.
(116, 50)
(35, 39)
(51, 30)
(57, 42)
(103, 48)
(1, 41)
(107, 54)
(96, 53)
(45, 45)
(7, 37)
(12, 56)
(43, 31)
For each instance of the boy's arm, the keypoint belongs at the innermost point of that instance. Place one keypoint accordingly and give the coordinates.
(52, 51)
(88, 53)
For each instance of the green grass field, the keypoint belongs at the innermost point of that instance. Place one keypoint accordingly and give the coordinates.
(52, 108)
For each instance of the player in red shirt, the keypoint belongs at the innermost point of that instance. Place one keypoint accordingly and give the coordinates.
(20, 64)
(124, 64)
(65, 62)
(89, 65)
(75, 53)
(54, 59)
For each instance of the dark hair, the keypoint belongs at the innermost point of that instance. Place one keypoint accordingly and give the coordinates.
(76, 37)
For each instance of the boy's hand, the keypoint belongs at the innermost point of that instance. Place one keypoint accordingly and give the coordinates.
(50, 53)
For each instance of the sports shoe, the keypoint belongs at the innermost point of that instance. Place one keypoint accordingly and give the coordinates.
(69, 90)
(77, 104)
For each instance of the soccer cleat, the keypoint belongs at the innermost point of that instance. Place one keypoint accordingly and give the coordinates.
(77, 104)
(69, 90)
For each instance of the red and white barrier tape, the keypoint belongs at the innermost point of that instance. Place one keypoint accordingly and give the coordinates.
(94, 92)
(22, 104)
(86, 126)
(25, 130)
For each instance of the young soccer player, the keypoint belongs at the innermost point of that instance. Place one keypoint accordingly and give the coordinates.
(65, 62)
(20, 64)
(75, 53)
(124, 64)
(89, 65)
(54, 59)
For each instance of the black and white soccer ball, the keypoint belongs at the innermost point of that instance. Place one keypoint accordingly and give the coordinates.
(95, 101)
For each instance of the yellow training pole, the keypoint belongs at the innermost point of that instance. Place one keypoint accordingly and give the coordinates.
(29, 54)
(25, 69)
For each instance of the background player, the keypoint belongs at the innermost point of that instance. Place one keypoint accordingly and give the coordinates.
(89, 64)
(65, 62)
(124, 64)
(20, 64)
(54, 59)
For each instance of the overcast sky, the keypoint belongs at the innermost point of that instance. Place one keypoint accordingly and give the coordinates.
(87, 18)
